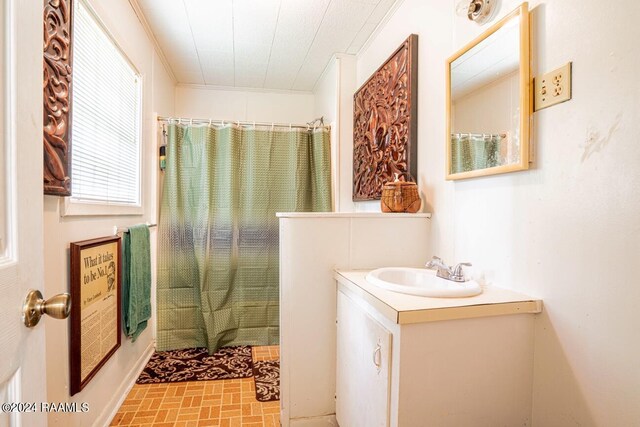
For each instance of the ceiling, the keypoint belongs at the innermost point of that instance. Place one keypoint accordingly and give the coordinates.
(270, 44)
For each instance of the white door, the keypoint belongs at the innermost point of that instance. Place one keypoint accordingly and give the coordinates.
(22, 349)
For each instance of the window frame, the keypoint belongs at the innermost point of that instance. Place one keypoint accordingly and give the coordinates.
(70, 206)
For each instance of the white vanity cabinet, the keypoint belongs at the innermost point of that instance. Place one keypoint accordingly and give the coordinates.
(407, 361)
(362, 372)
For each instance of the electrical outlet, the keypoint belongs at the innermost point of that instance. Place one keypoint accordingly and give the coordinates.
(553, 88)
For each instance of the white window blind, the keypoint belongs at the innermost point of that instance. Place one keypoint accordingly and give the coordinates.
(105, 127)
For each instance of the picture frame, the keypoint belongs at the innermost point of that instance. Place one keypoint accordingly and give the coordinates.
(57, 100)
(96, 310)
(385, 124)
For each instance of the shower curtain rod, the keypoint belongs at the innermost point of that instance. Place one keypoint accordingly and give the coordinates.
(501, 135)
(183, 120)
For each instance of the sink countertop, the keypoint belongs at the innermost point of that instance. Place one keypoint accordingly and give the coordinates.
(404, 309)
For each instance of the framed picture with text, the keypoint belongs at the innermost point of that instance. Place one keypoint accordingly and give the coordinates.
(96, 297)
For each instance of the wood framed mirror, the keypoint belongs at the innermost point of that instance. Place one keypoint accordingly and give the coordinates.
(489, 101)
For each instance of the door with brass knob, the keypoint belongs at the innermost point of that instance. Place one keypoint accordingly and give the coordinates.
(35, 306)
(22, 251)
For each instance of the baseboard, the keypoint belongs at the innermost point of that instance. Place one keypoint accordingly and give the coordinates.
(322, 421)
(110, 411)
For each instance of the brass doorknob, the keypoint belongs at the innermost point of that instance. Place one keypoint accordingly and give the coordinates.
(35, 306)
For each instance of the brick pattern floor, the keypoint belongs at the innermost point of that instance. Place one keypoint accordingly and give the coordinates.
(268, 352)
(224, 403)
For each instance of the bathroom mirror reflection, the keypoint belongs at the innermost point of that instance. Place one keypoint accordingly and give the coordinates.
(488, 101)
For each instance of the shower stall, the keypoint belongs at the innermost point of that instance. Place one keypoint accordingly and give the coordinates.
(218, 233)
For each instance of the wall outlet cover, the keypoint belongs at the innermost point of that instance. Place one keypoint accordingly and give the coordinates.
(552, 88)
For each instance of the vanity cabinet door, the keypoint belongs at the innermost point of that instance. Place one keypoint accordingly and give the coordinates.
(363, 367)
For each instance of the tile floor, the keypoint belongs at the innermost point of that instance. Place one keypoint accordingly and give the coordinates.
(224, 403)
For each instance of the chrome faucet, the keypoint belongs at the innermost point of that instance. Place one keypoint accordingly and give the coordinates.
(455, 274)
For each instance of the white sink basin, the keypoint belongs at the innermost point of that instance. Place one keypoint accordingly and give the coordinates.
(422, 282)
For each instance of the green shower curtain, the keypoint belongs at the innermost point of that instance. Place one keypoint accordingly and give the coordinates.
(218, 278)
(474, 151)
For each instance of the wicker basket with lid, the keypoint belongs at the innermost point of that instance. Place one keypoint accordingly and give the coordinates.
(400, 196)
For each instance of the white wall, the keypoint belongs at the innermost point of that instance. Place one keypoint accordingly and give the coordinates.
(325, 104)
(333, 96)
(432, 21)
(326, 91)
(499, 116)
(110, 383)
(567, 230)
(210, 102)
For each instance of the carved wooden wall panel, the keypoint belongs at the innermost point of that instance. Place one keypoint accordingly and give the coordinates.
(385, 124)
(57, 96)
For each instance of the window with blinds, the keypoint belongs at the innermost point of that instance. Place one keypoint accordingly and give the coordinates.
(106, 109)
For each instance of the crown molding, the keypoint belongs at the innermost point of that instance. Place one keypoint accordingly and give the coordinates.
(145, 24)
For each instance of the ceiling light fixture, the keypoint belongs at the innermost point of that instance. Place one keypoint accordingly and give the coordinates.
(478, 11)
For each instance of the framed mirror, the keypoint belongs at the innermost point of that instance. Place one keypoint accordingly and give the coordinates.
(489, 101)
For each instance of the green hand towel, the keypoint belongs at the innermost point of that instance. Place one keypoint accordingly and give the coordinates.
(136, 283)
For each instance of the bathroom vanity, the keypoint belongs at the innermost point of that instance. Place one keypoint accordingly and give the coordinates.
(312, 246)
(406, 360)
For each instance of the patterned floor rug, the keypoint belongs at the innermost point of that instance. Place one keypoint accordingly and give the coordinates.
(195, 364)
(266, 374)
